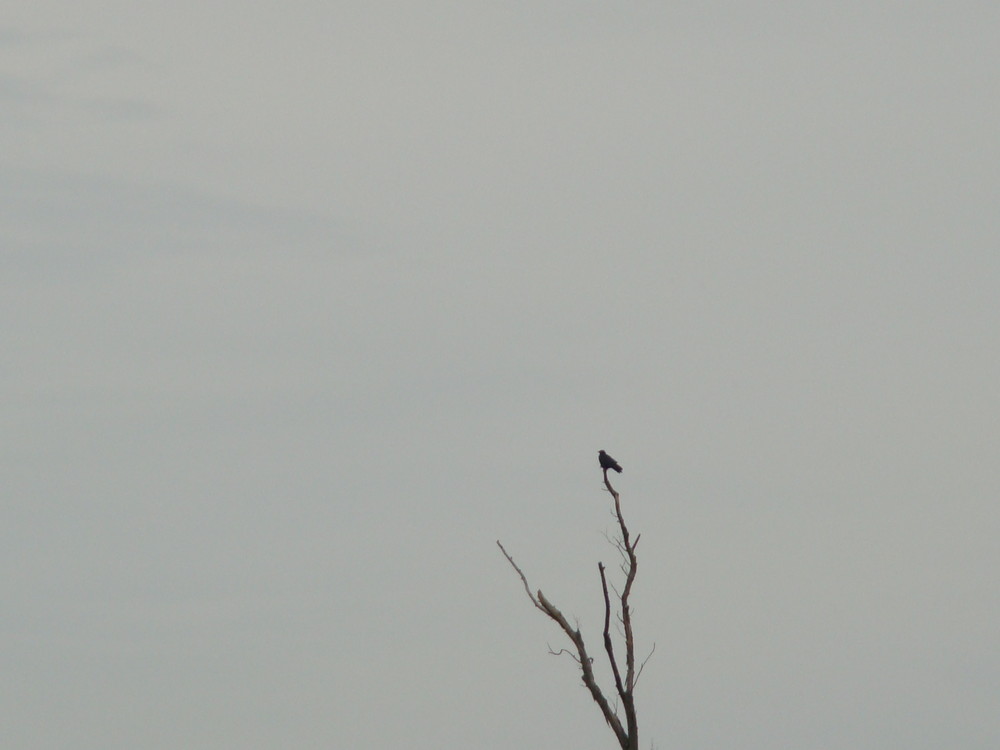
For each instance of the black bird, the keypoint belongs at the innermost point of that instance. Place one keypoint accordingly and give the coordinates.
(607, 462)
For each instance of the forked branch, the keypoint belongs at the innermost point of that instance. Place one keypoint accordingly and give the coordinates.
(583, 658)
(627, 734)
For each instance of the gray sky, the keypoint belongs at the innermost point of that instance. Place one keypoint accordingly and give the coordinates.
(307, 303)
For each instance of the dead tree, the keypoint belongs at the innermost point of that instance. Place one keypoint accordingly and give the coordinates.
(626, 733)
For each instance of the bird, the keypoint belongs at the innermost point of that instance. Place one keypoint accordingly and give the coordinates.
(607, 462)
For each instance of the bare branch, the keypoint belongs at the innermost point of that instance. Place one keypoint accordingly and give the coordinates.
(586, 666)
(608, 645)
(628, 699)
(626, 735)
(524, 580)
(562, 651)
(643, 665)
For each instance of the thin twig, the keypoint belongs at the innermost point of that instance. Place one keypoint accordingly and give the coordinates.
(643, 665)
(524, 579)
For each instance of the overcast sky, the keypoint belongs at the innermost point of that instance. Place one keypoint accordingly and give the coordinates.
(305, 304)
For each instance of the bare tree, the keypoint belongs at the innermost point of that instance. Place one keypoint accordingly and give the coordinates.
(626, 733)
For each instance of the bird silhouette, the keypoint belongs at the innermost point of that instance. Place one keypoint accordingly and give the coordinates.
(607, 462)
